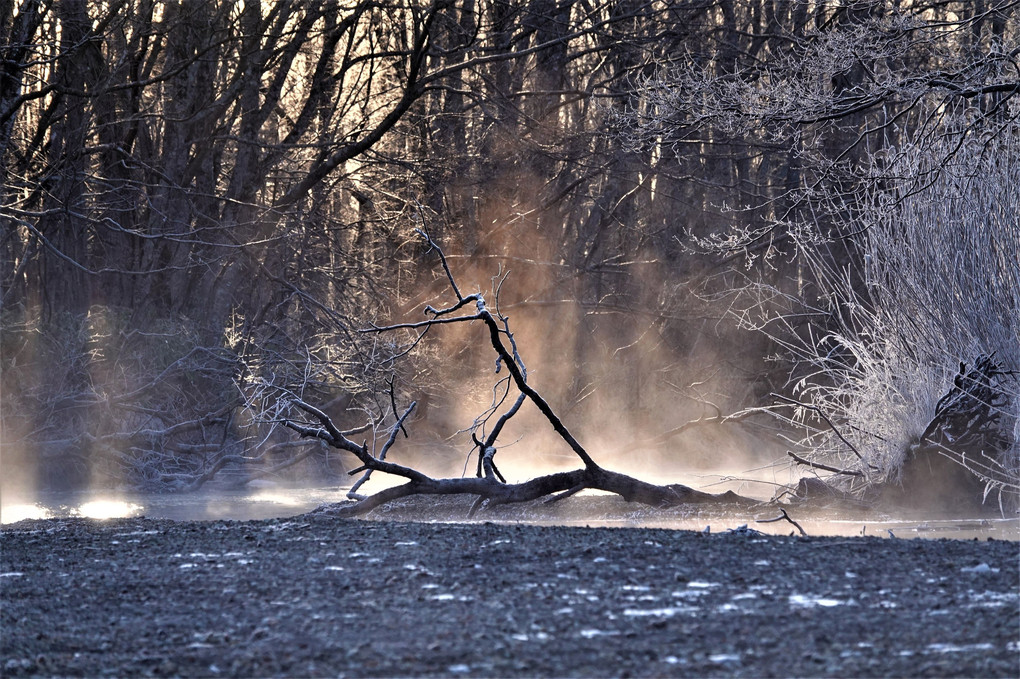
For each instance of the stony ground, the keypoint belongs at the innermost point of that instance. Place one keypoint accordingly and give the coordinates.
(316, 596)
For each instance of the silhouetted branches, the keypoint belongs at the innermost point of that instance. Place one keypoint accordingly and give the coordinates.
(489, 485)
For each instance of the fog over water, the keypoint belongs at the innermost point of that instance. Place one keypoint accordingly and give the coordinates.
(587, 509)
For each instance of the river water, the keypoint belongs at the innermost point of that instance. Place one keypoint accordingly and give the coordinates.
(270, 502)
(208, 505)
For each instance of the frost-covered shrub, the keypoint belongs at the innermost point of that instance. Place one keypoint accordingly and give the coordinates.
(940, 286)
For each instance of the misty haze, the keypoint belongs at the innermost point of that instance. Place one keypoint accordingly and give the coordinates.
(720, 270)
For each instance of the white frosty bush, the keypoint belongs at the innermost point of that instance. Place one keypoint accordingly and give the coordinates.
(941, 259)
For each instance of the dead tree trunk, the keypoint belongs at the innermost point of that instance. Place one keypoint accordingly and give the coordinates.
(488, 486)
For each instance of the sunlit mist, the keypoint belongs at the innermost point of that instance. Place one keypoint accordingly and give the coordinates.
(107, 509)
(277, 499)
(15, 513)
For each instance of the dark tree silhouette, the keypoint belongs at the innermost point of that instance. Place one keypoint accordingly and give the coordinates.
(488, 485)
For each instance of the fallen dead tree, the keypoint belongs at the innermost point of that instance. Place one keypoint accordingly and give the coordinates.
(488, 485)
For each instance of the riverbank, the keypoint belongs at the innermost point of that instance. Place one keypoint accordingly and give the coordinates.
(316, 596)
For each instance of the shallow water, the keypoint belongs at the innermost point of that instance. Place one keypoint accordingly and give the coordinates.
(583, 510)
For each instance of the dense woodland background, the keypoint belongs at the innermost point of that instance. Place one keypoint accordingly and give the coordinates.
(804, 214)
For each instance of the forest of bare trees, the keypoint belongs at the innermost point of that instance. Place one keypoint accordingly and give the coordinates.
(795, 218)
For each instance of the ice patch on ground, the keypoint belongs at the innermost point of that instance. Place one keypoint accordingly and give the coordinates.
(810, 601)
(537, 636)
(666, 612)
(958, 648)
(698, 584)
(450, 597)
(988, 599)
(981, 568)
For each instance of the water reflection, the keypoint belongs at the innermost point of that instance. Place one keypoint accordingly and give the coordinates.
(240, 505)
(107, 509)
(19, 512)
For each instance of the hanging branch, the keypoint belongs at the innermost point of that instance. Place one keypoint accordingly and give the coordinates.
(393, 404)
(818, 465)
(786, 517)
(822, 415)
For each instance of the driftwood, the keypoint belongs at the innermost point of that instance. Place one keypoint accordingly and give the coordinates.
(488, 486)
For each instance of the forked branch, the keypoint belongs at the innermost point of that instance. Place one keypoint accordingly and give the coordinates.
(328, 432)
(489, 486)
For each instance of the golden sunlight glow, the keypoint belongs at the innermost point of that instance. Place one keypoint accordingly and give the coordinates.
(277, 499)
(15, 513)
(107, 509)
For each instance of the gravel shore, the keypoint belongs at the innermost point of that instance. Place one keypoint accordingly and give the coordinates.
(314, 596)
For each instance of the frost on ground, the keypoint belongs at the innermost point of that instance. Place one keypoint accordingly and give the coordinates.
(316, 596)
